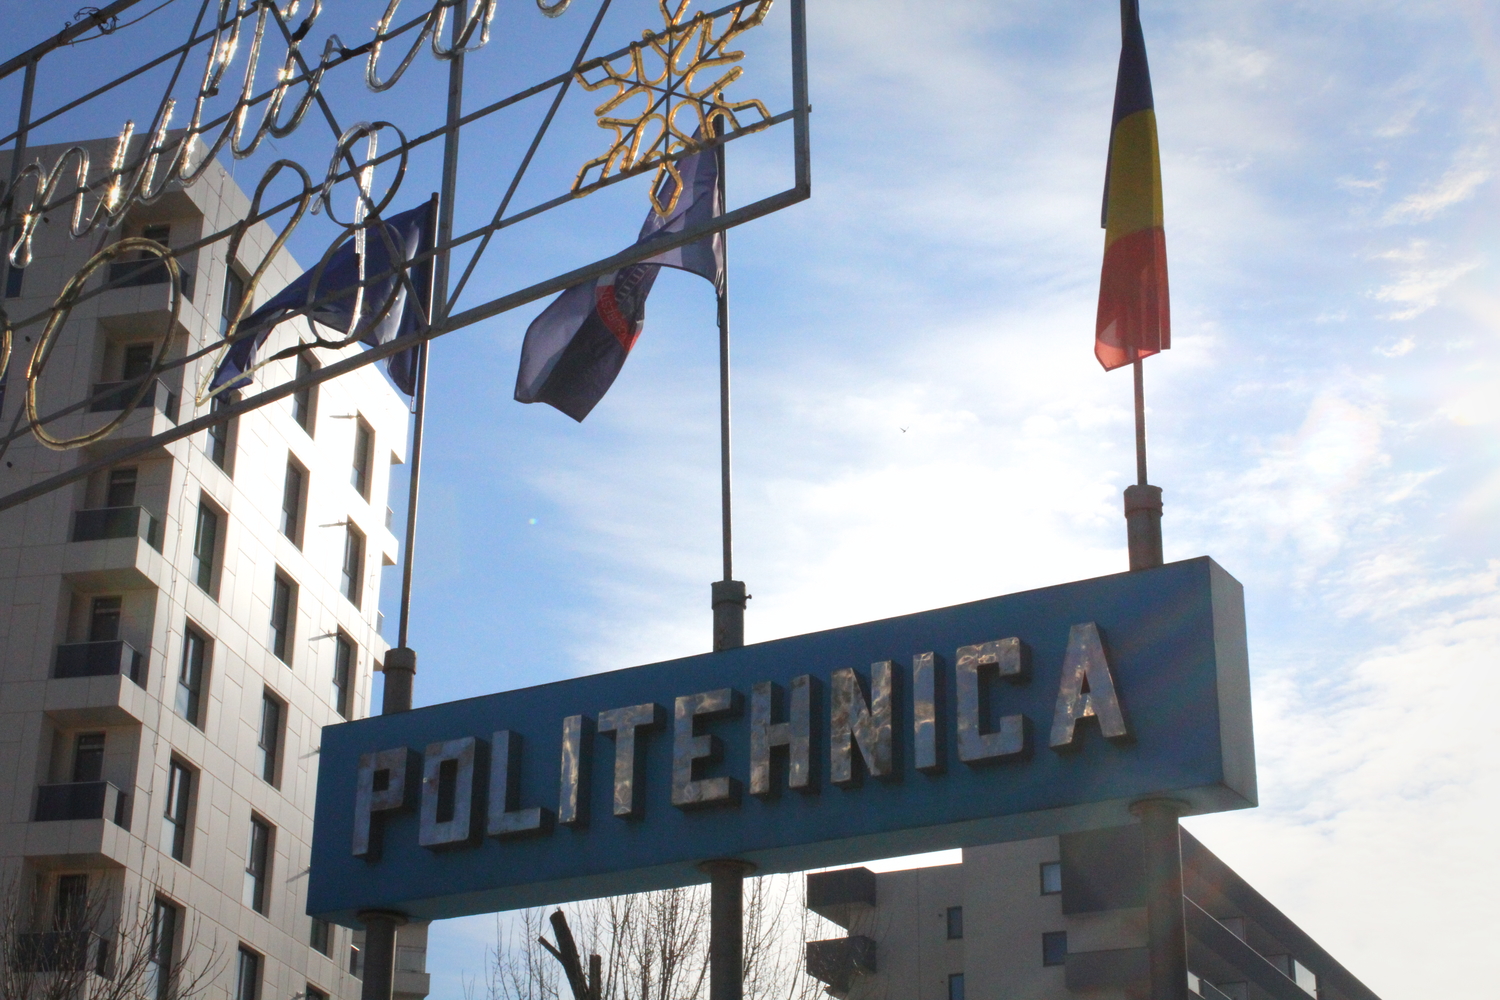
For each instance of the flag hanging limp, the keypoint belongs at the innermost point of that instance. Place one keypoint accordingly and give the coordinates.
(385, 309)
(1134, 314)
(574, 350)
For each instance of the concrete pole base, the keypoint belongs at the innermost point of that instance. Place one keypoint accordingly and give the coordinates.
(400, 674)
(380, 952)
(1143, 525)
(729, 599)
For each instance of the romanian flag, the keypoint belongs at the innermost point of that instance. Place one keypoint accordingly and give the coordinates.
(1134, 315)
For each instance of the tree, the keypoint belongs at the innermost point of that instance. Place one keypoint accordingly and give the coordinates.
(654, 946)
(99, 944)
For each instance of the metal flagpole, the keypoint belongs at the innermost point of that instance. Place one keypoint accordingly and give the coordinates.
(1142, 501)
(728, 594)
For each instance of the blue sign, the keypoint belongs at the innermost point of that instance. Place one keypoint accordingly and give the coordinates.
(1014, 717)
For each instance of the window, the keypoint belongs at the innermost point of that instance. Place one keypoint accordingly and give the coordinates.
(137, 360)
(343, 674)
(1051, 878)
(205, 546)
(88, 757)
(234, 295)
(160, 232)
(190, 678)
(165, 919)
(247, 976)
(220, 436)
(256, 894)
(364, 457)
(13, 278)
(283, 617)
(320, 937)
(313, 993)
(354, 563)
(956, 986)
(356, 963)
(175, 820)
(1055, 948)
(104, 619)
(292, 498)
(955, 923)
(305, 399)
(121, 492)
(268, 748)
(71, 911)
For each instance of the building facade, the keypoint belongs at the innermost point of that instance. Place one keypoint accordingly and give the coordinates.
(176, 629)
(1057, 918)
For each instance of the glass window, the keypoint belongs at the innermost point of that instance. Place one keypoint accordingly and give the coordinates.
(956, 986)
(88, 757)
(343, 673)
(256, 894)
(234, 295)
(164, 921)
(205, 545)
(247, 976)
(364, 456)
(269, 746)
(72, 909)
(354, 564)
(219, 434)
(1051, 878)
(320, 937)
(305, 399)
(283, 617)
(174, 828)
(313, 993)
(13, 277)
(291, 503)
(955, 923)
(190, 677)
(104, 619)
(161, 232)
(356, 963)
(1055, 948)
(137, 360)
(121, 492)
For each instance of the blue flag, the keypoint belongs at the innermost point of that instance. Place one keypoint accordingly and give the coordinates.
(579, 343)
(410, 234)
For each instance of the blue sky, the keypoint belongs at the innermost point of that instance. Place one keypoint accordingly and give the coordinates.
(920, 421)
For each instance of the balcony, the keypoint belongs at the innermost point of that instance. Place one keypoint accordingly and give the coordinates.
(62, 951)
(117, 522)
(99, 659)
(135, 273)
(80, 800)
(838, 961)
(120, 394)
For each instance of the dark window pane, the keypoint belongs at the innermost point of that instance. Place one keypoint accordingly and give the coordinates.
(218, 434)
(291, 504)
(234, 294)
(313, 993)
(1055, 948)
(364, 447)
(13, 277)
(121, 491)
(190, 678)
(247, 976)
(304, 400)
(283, 612)
(257, 866)
(270, 737)
(104, 619)
(137, 362)
(955, 923)
(321, 937)
(205, 544)
(956, 986)
(175, 818)
(1051, 878)
(72, 909)
(343, 671)
(88, 757)
(354, 561)
(164, 918)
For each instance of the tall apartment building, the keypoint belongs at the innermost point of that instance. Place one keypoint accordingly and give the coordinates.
(1058, 918)
(175, 630)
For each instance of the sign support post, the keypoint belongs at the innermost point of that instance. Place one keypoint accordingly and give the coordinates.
(1166, 931)
(726, 927)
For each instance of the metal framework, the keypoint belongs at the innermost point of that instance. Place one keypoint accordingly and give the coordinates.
(682, 68)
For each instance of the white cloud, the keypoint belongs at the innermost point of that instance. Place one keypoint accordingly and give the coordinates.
(1418, 280)
(1471, 168)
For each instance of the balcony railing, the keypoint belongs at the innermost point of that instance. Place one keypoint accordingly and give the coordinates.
(134, 273)
(117, 522)
(120, 394)
(100, 659)
(80, 800)
(62, 951)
